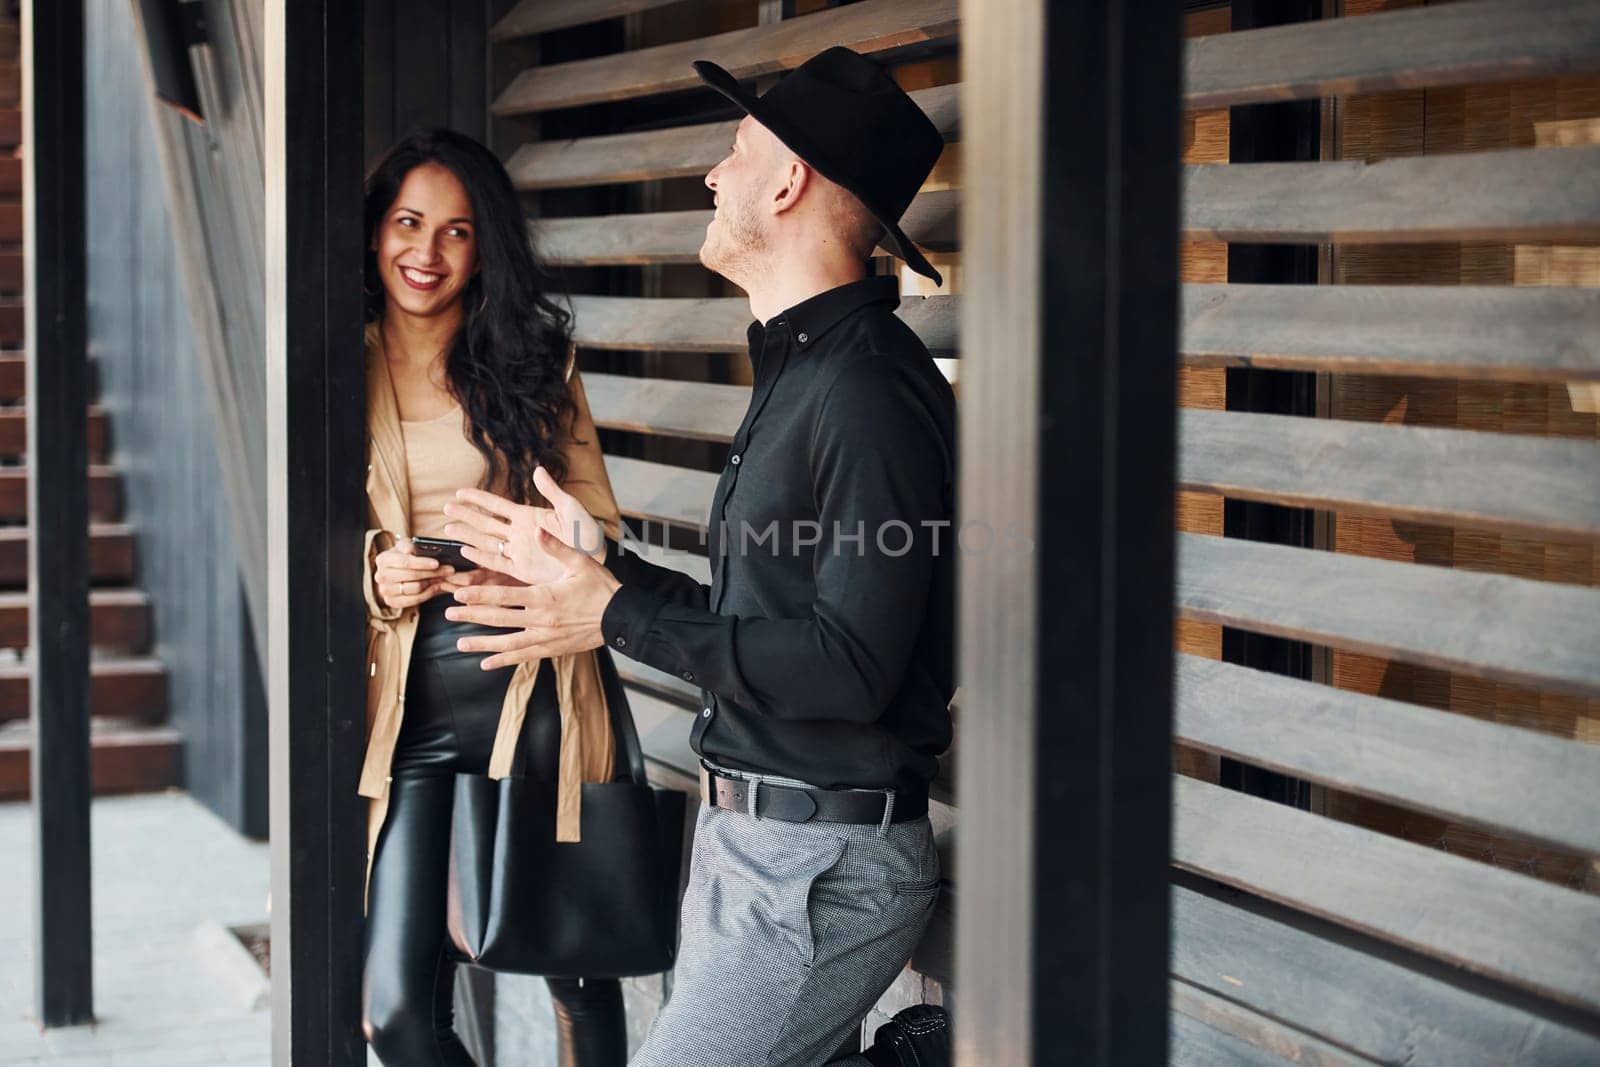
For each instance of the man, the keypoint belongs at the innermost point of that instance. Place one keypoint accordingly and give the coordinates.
(823, 645)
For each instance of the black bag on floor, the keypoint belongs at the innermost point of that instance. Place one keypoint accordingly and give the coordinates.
(602, 907)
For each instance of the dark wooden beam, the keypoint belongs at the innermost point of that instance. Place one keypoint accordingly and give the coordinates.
(55, 276)
(1066, 646)
(315, 446)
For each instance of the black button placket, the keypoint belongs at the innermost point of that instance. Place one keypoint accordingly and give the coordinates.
(768, 364)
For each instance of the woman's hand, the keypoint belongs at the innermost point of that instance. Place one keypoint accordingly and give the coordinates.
(482, 576)
(404, 579)
(503, 536)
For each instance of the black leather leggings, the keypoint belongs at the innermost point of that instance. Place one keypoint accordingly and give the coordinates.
(451, 712)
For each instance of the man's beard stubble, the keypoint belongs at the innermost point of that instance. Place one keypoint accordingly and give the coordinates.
(739, 251)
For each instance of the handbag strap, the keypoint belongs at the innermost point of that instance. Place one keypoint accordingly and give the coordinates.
(623, 729)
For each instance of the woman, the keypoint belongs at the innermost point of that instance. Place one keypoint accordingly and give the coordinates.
(470, 382)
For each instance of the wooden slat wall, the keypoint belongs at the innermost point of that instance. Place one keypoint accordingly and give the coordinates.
(1420, 738)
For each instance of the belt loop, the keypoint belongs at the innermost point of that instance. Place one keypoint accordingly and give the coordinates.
(755, 785)
(888, 813)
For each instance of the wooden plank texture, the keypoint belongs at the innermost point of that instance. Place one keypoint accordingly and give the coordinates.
(10, 127)
(1420, 48)
(1502, 333)
(718, 324)
(111, 553)
(676, 236)
(1539, 936)
(105, 494)
(1499, 777)
(118, 619)
(121, 688)
(1517, 630)
(1208, 1029)
(870, 26)
(675, 152)
(14, 433)
(655, 491)
(1515, 484)
(1546, 194)
(1378, 1002)
(1509, 483)
(541, 16)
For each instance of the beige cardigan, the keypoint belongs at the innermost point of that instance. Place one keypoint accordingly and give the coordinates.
(587, 746)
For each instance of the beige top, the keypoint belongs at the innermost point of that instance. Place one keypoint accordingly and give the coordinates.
(439, 460)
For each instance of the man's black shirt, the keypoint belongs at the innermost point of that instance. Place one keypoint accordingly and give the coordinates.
(823, 647)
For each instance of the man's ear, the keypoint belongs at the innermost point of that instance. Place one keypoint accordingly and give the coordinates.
(796, 178)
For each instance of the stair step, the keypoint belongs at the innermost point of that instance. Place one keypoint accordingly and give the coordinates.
(111, 554)
(128, 690)
(14, 433)
(10, 127)
(105, 494)
(122, 759)
(118, 619)
(14, 364)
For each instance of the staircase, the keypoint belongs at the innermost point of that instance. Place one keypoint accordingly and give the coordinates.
(132, 748)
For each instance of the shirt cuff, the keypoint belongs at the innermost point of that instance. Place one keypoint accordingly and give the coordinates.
(628, 618)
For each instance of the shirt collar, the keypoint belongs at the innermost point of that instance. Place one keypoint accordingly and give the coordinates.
(811, 318)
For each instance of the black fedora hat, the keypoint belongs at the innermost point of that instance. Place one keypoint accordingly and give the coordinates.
(845, 117)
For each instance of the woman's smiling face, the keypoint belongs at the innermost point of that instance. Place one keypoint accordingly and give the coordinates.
(427, 244)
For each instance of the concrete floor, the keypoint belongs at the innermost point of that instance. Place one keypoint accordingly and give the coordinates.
(172, 987)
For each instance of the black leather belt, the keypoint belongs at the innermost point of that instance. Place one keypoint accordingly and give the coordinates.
(789, 804)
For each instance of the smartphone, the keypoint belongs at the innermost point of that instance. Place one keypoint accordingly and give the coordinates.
(445, 551)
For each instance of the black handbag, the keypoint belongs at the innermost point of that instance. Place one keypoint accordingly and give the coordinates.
(602, 907)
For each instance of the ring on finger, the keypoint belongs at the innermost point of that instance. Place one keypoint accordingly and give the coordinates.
(502, 548)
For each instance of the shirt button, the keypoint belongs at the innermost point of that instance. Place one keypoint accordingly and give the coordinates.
(705, 713)
(803, 338)
(734, 459)
(621, 642)
(688, 676)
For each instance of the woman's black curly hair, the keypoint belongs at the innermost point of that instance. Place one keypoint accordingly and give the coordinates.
(507, 365)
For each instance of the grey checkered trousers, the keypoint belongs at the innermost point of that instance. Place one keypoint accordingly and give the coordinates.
(790, 933)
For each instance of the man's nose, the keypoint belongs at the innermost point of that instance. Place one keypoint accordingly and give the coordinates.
(711, 178)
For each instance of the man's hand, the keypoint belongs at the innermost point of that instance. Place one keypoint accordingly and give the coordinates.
(500, 535)
(555, 618)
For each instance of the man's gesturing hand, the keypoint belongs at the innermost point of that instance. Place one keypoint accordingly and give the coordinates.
(500, 535)
(554, 618)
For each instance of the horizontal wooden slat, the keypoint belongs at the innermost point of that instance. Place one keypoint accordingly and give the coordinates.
(1503, 482)
(13, 321)
(718, 324)
(1379, 1002)
(1517, 630)
(698, 410)
(132, 689)
(1544, 194)
(654, 491)
(11, 280)
(1515, 484)
(675, 152)
(1449, 44)
(10, 176)
(118, 619)
(1499, 777)
(14, 370)
(14, 433)
(870, 26)
(111, 553)
(1503, 333)
(676, 236)
(105, 494)
(1517, 929)
(1206, 1030)
(541, 16)
(10, 127)
(123, 760)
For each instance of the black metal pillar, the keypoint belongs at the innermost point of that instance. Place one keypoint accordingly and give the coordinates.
(1271, 133)
(1068, 393)
(58, 505)
(315, 447)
